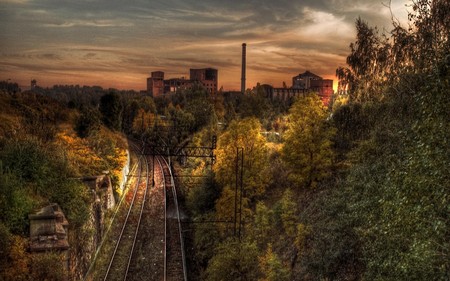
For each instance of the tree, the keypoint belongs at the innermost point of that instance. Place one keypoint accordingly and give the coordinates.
(272, 268)
(129, 115)
(234, 260)
(288, 214)
(307, 147)
(243, 134)
(88, 123)
(397, 196)
(263, 225)
(15, 203)
(111, 108)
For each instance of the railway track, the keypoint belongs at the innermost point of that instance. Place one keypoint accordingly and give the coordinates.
(148, 242)
(120, 260)
(174, 257)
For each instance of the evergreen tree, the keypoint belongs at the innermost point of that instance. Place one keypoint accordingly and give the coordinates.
(111, 108)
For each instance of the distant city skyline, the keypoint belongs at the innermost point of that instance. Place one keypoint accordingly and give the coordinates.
(117, 44)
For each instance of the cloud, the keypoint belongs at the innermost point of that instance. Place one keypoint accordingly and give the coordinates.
(89, 23)
(109, 38)
(14, 1)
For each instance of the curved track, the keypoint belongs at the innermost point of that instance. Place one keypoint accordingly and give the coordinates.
(174, 257)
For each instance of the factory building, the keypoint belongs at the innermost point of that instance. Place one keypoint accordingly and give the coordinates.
(208, 77)
(311, 82)
(155, 83)
(303, 83)
(158, 86)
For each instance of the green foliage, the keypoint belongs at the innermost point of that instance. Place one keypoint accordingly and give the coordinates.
(31, 162)
(397, 186)
(183, 122)
(39, 115)
(398, 194)
(88, 123)
(234, 260)
(136, 111)
(303, 232)
(375, 62)
(35, 171)
(48, 267)
(255, 105)
(288, 215)
(201, 198)
(383, 212)
(271, 267)
(16, 203)
(351, 126)
(327, 243)
(307, 147)
(206, 239)
(112, 109)
(201, 109)
(263, 226)
(196, 104)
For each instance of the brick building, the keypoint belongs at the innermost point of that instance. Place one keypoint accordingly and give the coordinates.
(207, 77)
(155, 83)
(158, 86)
(311, 82)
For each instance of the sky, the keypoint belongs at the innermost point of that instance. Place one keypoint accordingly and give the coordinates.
(117, 43)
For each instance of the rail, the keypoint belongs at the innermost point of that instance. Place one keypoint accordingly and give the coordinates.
(175, 202)
(120, 239)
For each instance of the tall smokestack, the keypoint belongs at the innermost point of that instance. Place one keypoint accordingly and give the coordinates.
(243, 67)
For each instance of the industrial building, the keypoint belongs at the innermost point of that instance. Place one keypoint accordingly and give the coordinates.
(158, 86)
(303, 83)
(311, 82)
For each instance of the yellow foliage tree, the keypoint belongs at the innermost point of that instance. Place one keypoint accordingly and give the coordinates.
(272, 268)
(307, 148)
(143, 121)
(243, 134)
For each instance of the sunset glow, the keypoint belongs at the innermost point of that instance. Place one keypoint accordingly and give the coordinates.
(116, 44)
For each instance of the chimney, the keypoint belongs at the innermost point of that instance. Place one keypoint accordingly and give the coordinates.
(243, 67)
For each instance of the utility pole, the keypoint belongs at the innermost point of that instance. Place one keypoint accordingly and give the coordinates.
(239, 172)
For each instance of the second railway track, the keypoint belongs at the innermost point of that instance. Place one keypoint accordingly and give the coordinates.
(121, 257)
(174, 258)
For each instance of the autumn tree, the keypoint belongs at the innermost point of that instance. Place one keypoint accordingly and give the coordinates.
(234, 260)
(272, 268)
(288, 215)
(243, 134)
(307, 146)
(263, 225)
